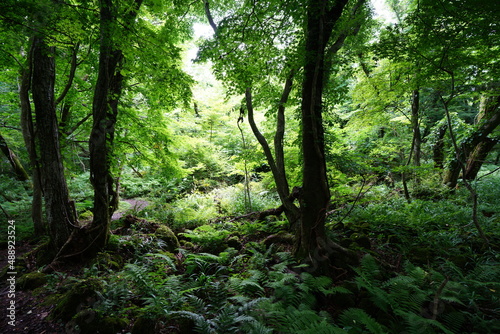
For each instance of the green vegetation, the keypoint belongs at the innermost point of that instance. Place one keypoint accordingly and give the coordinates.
(251, 166)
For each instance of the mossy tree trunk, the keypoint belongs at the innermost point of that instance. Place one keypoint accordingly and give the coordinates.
(475, 148)
(17, 166)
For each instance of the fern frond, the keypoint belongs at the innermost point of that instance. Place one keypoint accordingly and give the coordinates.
(418, 324)
(356, 318)
(166, 258)
(246, 286)
(454, 320)
(369, 268)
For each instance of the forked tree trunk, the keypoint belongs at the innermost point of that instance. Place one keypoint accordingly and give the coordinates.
(60, 214)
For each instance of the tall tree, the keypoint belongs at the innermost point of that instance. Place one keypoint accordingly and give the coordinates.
(61, 215)
(107, 94)
(256, 45)
(315, 198)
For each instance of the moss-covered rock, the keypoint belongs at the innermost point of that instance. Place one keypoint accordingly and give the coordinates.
(81, 295)
(31, 281)
(187, 244)
(282, 237)
(86, 215)
(109, 260)
(144, 325)
(165, 233)
(361, 240)
(234, 242)
(89, 322)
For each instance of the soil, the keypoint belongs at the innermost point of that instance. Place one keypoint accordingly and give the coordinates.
(30, 314)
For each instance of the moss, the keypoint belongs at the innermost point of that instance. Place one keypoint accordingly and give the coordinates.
(86, 215)
(282, 237)
(32, 280)
(187, 244)
(361, 240)
(109, 260)
(165, 233)
(234, 242)
(81, 295)
(89, 322)
(113, 243)
(144, 325)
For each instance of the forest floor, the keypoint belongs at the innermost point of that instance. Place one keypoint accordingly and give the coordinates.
(31, 313)
(135, 204)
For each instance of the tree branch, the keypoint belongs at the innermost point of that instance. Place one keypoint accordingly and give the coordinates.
(210, 17)
(71, 76)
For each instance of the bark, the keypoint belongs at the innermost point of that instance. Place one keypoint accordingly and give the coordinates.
(277, 165)
(60, 214)
(415, 123)
(477, 157)
(105, 111)
(476, 147)
(29, 141)
(14, 161)
(312, 243)
(438, 147)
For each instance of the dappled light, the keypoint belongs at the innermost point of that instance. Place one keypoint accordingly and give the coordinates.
(319, 166)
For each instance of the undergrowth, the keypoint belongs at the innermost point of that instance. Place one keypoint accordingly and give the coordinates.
(424, 268)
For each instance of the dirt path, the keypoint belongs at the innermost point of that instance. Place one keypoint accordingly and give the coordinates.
(135, 204)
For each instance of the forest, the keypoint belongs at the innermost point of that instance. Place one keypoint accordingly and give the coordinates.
(250, 166)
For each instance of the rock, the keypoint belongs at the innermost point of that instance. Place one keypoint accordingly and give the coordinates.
(31, 281)
(81, 296)
(165, 233)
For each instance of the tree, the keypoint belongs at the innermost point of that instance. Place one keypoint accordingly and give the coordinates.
(107, 94)
(119, 24)
(454, 44)
(264, 41)
(61, 215)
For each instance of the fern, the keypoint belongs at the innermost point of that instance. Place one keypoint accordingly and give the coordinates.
(420, 325)
(353, 317)
(247, 286)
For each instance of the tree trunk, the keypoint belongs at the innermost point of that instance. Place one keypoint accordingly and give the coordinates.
(60, 214)
(312, 242)
(277, 165)
(477, 157)
(438, 147)
(415, 123)
(14, 161)
(29, 141)
(476, 147)
(105, 111)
